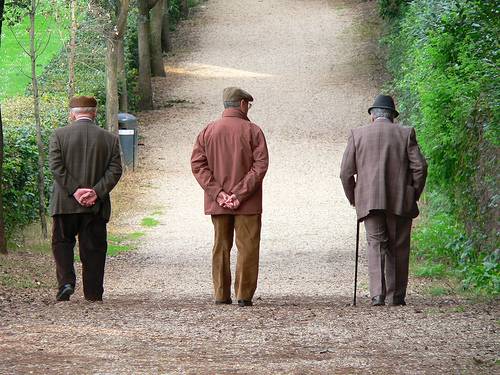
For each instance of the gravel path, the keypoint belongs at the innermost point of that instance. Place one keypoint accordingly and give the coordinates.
(312, 66)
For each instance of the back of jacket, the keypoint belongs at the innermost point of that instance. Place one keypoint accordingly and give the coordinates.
(389, 167)
(231, 154)
(82, 155)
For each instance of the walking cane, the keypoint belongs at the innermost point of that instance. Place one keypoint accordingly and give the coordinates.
(356, 263)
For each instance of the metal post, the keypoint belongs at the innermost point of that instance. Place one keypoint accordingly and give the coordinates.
(356, 263)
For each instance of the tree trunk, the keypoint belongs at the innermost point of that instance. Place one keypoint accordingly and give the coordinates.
(166, 43)
(113, 44)
(72, 50)
(121, 14)
(39, 141)
(184, 9)
(3, 239)
(144, 80)
(122, 76)
(111, 86)
(157, 65)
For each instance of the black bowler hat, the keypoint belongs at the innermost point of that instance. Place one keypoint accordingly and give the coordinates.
(385, 102)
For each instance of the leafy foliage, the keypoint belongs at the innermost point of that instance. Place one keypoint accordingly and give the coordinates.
(20, 163)
(20, 197)
(444, 59)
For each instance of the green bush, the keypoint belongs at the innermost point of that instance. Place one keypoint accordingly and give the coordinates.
(20, 182)
(443, 55)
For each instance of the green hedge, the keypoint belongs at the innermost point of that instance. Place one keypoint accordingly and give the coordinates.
(20, 182)
(443, 55)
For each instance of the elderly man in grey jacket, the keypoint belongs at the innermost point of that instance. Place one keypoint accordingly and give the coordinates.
(390, 175)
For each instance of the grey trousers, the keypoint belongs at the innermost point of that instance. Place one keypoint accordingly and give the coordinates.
(388, 238)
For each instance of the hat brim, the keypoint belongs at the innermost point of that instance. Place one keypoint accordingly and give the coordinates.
(396, 113)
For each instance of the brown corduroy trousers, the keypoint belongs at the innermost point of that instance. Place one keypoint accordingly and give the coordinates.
(388, 238)
(91, 232)
(247, 229)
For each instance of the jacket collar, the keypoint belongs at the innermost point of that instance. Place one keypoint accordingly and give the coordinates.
(234, 112)
(382, 120)
(84, 120)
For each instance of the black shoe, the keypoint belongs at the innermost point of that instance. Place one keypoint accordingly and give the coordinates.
(226, 302)
(93, 299)
(398, 302)
(64, 292)
(378, 301)
(243, 303)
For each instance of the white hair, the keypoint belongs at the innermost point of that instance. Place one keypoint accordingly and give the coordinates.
(78, 110)
(382, 112)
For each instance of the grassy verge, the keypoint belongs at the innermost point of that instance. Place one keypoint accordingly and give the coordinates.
(30, 266)
(443, 255)
(118, 243)
(15, 65)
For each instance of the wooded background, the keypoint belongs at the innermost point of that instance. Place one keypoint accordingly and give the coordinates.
(54, 49)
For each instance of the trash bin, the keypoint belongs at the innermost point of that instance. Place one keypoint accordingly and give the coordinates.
(129, 137)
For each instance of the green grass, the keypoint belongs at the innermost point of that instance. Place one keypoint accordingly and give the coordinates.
(430, 270)
(135, 235)
(437, 291)
(15, 65)
(149, 222)
(118, 243)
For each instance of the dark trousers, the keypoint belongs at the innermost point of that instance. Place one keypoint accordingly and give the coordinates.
(388, 238)
(91, 232)
(247, 229)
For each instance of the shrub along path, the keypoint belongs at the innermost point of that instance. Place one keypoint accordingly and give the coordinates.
(313, 69)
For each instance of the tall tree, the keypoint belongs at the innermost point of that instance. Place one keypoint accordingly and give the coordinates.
(114, 39)
(122, 75)
(157, 65)
(166, 43)
(3, 240)
(34, 53)
(184, 8)
(72, 48)
(143, 31)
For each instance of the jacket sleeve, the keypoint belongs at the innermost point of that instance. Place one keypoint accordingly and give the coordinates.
(112, 174)
(348, 169)
(201, 170)
(254, 177)
(61, 175)
(417, 164)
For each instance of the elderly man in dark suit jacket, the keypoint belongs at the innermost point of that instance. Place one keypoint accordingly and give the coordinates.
(86, 164)
(391, 173)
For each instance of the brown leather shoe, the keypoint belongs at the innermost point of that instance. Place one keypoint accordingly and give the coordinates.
(378, 301)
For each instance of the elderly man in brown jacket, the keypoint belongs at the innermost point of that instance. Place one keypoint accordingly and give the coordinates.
(86, 165)
(229, 161)
(391, 173)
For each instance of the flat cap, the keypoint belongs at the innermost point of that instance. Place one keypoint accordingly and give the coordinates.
(82, 101)
(235, 94)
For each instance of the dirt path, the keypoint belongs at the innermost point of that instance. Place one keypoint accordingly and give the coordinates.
(313, 68)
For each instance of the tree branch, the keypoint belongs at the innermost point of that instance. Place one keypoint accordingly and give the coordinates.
(122, 18)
